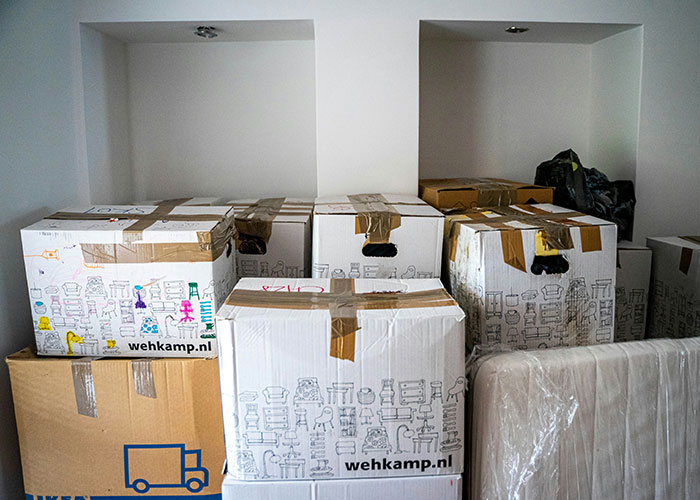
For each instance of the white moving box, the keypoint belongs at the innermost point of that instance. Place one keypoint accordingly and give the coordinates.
(406, 488)
(129, 280)
(376, 236)
(273, 237)
(675, 295)
(188, 202)
(341, 379)
(600, 422)
(498, 263)
(631, 291)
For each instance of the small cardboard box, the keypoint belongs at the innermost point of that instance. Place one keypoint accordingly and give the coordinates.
(631, 291)
(341, 379)
(675, 280)
(376, 236)
(129, 280)
(273, 237)
(187, 202)
(464, 193)
(533, 276)
(408, 488)
(118, 428)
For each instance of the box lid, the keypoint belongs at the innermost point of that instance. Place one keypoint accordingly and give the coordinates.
(190, 202)
(163, 223)
(692, 242)
(538, 216)
(473, 184)
(294, 298)
(404, 205)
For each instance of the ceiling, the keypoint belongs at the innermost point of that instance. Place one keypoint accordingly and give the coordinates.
(494, 31)
(229, 31)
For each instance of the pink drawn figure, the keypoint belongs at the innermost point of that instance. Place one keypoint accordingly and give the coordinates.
(186, 309)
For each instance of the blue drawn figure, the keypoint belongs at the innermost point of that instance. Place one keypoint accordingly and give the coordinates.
(140, 304)
(149, 326)
(183, 468)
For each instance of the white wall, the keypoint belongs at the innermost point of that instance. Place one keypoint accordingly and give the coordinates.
(38, 171)
(614, 104)
(499, 109)
(104, 70)
(229, 119)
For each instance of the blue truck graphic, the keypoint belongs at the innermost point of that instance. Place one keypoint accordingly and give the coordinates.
(191, 475)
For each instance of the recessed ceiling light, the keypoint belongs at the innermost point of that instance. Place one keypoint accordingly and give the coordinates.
(206, 32)
(517, 29)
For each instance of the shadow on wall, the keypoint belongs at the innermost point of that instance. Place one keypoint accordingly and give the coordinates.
(17, 332)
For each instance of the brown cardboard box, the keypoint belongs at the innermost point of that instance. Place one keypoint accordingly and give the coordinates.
(112, 428)
(449, 194)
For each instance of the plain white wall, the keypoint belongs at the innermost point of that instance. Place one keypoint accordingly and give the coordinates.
(615, 73)
(38, 171)
(499, 109)
(229, 119)
(104, 71)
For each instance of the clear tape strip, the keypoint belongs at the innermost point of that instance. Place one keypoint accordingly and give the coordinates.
(84, 387)
(143, 378)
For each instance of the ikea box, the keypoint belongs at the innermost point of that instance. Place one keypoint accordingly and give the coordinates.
(376, 236)
(189, 202)
(631, 291)
(273, 237)
(448, 487)
(465, 193)
(675, 295)
(118, 428)
(129, 280)
(342, 378)
(533, 276)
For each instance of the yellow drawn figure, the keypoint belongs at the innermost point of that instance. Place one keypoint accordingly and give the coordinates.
(111, 343)
(44, 323)
(70, 339)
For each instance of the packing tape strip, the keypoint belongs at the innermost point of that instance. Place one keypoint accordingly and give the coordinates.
(84, 387)
(144, 384)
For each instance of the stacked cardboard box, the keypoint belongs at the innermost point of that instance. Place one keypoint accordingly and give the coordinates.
(533, 276)
(273, 237)
(376, 236)
(631, 291)
(463, 193)
(118, 428)
(675, 294)
(341, 379)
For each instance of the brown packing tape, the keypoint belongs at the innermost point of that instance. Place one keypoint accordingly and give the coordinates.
(173, 202)
(256, 220)
(496, 196)
(375, 217)
(342, 303)
(343, 320)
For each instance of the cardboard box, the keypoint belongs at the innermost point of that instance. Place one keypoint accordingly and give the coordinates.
(409, 488)
(499, 260)
(600, 422)
(631, 291)
(116, 428)
(273, 237)
(675, 279)
(129, 280)
(188, 202)
(341, 379)
(464, 193)
(376, 236)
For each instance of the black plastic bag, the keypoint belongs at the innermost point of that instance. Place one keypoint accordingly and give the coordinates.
(589, 191)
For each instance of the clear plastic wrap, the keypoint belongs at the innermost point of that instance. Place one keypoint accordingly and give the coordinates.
(615, 421)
